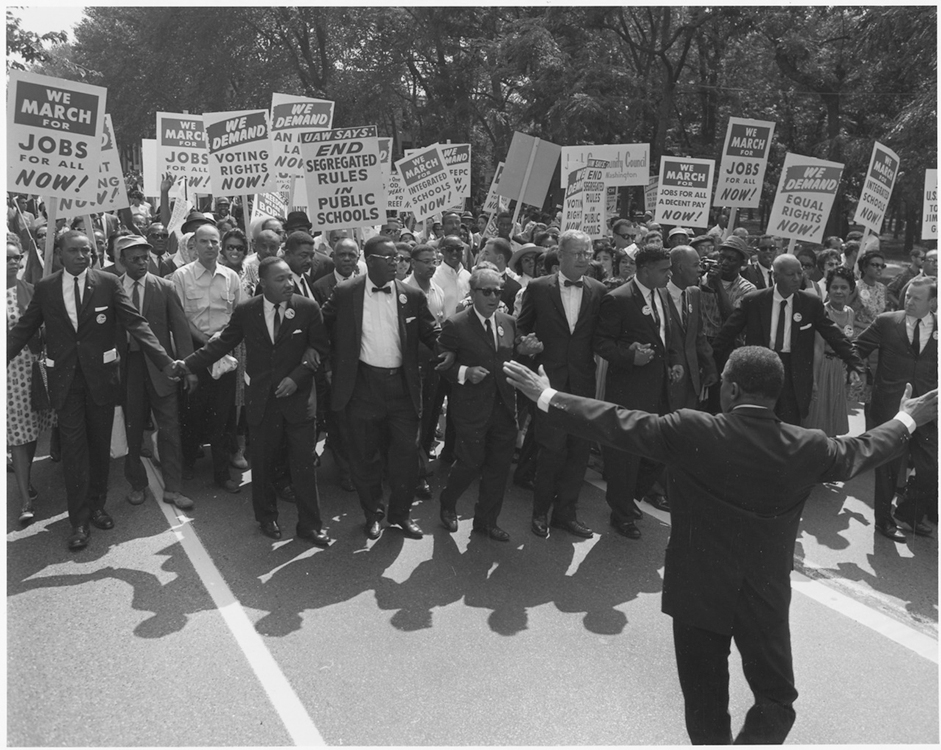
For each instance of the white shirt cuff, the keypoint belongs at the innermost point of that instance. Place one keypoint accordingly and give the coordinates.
(545, 397)
(906, 420)
(462, 374)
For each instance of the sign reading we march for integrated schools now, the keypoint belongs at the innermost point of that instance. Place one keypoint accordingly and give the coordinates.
(344, 179)
(112, 191)
(181, 149)
(427, 180)
(744, 161)
(805, 196)
(291, 116)
(239, 152)
(683, 194)
(54, 131)
(877, 189)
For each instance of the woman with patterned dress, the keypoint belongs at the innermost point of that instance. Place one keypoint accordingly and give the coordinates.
(868, 302)
(24, 424)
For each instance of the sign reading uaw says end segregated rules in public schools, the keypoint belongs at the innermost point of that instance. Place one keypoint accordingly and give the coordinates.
(683, 195)
(805, 196)
(239, 151)
(54, 133)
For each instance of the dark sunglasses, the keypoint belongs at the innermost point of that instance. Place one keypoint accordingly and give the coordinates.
(158, 235)
(490, 292)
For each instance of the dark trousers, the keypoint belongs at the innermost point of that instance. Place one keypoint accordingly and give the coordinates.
(209, 407)
(702, 662)
(628, 476)
(560, 471)
(85, 433)
(922, 494)
(141, 397)
(381, 413)
(430, 415)
(269, 439)
(486, 454)
(333, 424)
(526, 466)
(787, 408)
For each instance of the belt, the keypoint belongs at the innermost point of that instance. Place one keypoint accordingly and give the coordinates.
(387, 371)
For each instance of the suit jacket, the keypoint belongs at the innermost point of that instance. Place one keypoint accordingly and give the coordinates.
(754, 317)
(164, 313)
(321, 266)
(898, 362)
(567, 355)
(472, 403)
(752, 273)
(695, 351)
(737, 486)
(621, 322)
(343, 315)
(267, 363)
(94, 345)
(510, 288)
(322, 288)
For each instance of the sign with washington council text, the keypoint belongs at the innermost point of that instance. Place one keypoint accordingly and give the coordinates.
(929, 219)
(683, 195)
(343, 174)
(54, 132)
(744, 161)
(429, 188)
(627, 163)
(182, 151)
(805, 196)
(239, 152)
(877, 189)
(290, 116)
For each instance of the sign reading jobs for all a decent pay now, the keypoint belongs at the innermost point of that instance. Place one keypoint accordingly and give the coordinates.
(182, 151)
(54, 130)
(112, 191)
(239, 152)
(428, 185)
(291, 116)
(343, 175)
(929, 220)
(805, 196)
(877, 189)
(684, 191)
(744, 161)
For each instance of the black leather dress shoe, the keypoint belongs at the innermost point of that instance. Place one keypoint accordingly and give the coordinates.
(287, 494)
(921, 528)
(526, 484)
(373, 529)
(346, 484)
(100, 519)
(411, 529)
(636, 511)
(78, 539)
(423, 489)
(271, 529)
(494, 532)
(540, 526)
(317, 537)
(230, 486)
(658, 501)
(574, 526)
(626, 528)
(449, 520)
(889, 530)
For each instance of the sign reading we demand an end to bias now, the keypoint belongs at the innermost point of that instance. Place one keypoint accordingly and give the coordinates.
(343, 174)
(683, 195)
(54, 131)
(239, 151)
(805, 196)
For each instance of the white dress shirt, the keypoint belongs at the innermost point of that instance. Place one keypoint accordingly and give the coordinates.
(301, 286)
(434, 295)
(660, 311)
(678, 296)
(455, 283)
(380, 345)
(129, 288)
(571, 299)
(269, 315)
(776, 301)
(68, 294)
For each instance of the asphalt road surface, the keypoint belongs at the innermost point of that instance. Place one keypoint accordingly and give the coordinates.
(191, 628)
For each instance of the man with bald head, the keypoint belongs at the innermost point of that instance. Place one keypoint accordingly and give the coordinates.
(784, 319)
(267, 243)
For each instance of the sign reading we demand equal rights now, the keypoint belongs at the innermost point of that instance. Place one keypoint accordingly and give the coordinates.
(54, 131)
(805, 196)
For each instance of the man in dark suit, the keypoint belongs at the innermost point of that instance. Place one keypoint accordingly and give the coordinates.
(144, 387)
(482, 403)
(907, 342)
(278, 328)
(345, 258)
(562, 310)
(375, 324)
(785, 319)
(699, 367)
(738, 482)
(306, 264)
(761, 273)
(634, 333)
(80, 308)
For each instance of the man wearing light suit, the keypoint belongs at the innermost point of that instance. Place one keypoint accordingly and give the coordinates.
(785, 319)
(907, 341)
(282, 331)
(375, 324)
(738, 482)
(80, 308)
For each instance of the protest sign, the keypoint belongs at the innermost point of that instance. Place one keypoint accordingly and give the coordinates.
(744, 160)
(877, 189)
(181, 209)
(269, 204)
(426, 178)
(573, 203)
(494, 204)
(805, 196)
(290, 116)
(650, 193)
(395, 193)
(528, 170)
(458, 158)
(54, 130)
(593, 203)
(181, 150)
(628, 163)
(929, 218)
(385, 156)
(112, 192)
(611, 204)
(684, 191)
(343, 177)
(239, 151)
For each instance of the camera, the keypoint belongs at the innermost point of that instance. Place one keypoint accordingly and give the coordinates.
(708, 265)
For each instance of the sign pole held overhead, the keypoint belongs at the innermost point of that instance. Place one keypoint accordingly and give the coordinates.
(529, 171)
(52, 209)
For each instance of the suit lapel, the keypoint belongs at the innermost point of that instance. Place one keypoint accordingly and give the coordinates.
(150, 293)
(555, 294)
(87, 293)
(286, 320)
(764, 316)
(359, 292)
(397, 290)
(258, 314)
(642, 302)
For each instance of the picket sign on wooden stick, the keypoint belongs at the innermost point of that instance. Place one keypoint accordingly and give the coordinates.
(529, 171)
(733, 214)
(791, 246)
(52, 208)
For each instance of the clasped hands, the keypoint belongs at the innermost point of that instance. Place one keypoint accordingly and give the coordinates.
(643, 355)
(178, 369)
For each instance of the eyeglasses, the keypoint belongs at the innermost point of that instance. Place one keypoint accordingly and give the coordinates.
(390, 259)
(623, 236)
(403, 258)
(490, 292)
(16, 258)
(158, 235)
(432, 262)
(582, 255)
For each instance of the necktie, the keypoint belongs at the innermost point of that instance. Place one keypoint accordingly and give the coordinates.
(490, 334)
(779, 336)
(579, 284)
(685, 311)
(76, 290)
(277, 322)
(916, 337)
(384, 289)
(302, 288)
(135, 299)
(653, 307)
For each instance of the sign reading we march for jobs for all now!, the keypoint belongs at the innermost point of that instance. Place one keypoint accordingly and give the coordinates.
(181, 149)
(744, 161)
(54, 131)
(239, 151)
(683, 195)
(805, 196)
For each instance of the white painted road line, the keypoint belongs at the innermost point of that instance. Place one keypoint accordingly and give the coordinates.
(283, 699)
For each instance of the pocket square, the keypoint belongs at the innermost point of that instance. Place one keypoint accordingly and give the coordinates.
(101, 309)
(294, 333)
(804, 328)
(409, 320)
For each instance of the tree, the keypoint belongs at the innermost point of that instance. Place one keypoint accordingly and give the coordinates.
(28, 44)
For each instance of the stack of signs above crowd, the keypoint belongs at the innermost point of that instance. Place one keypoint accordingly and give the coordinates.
(650, 193)
(593, 203)
(929, 219)
(573, 203)
(181, 150)
(527, 174)
(805, 196)
(239, 150)
(291, 116)
(744, 161)
(54, 134)
(494, 203)
(684, 191)
(627, 163)
(877, 188)
(426, 178)
(112, 192)
(457, 156)
(343, 175)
